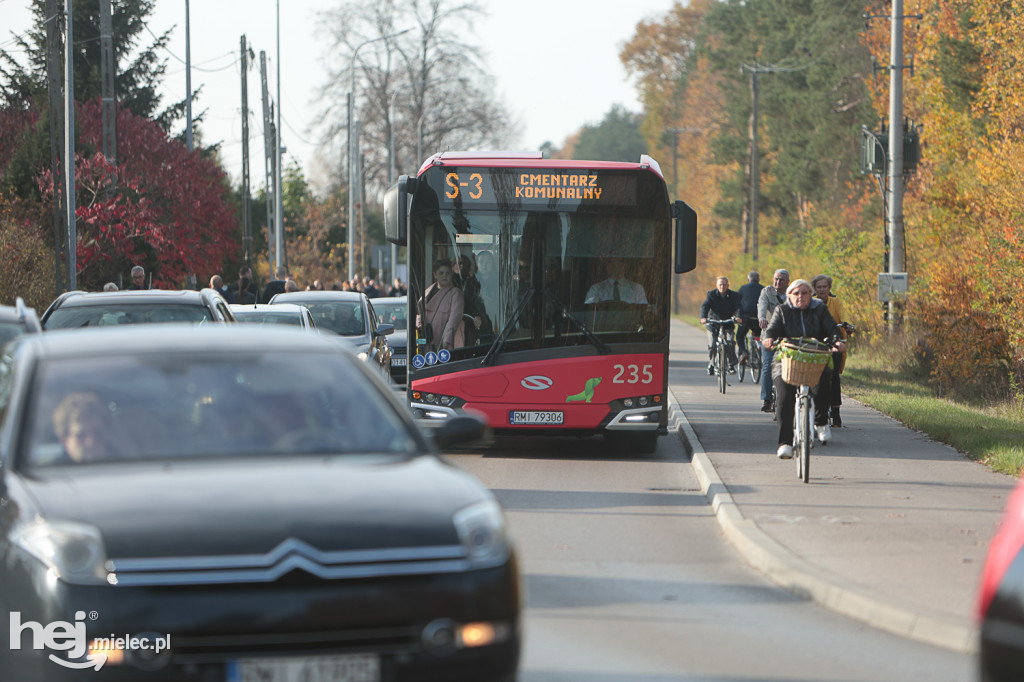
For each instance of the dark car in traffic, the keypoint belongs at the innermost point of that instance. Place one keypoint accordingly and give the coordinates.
(394, 310)
(75, 309)
(348, 314)
(205, 503)
(17, 320)
(1001, 598)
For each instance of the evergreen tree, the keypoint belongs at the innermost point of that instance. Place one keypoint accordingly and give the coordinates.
(135, 82)
(616, 138)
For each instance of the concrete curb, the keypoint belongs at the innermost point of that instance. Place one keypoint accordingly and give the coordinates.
(790, 572)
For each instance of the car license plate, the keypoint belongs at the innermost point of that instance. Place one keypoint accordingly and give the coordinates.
(398, 362)
(535, 417)
(345, 668)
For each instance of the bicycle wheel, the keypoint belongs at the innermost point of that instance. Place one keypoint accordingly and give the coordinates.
(754, 361)
(741, 369)
(804, 421)
(723, 368)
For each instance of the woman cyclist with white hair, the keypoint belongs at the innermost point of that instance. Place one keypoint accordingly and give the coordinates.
(801, 316)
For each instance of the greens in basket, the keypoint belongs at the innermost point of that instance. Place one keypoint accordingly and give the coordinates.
(800, 355)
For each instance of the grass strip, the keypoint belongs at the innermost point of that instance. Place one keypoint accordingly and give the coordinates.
(991, 435)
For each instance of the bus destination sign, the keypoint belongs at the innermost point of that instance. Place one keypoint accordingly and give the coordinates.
(469, 186)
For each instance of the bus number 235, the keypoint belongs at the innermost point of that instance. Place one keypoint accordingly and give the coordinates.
(475, 186)
(633, 374)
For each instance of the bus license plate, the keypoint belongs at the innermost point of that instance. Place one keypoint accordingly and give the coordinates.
(398, 362)
(342, 668)
(535, 417)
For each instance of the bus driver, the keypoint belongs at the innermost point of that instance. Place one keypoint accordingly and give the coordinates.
(616, 288)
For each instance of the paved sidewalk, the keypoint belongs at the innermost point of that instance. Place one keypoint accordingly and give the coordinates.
(892, 528)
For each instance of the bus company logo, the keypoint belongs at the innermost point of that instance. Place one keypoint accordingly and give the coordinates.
(537, 383)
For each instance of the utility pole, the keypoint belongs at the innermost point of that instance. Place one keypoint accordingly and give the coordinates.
(750, 224)
(188, 80)
(353, 153)
(246, 208)
(278, 206)
(107, 67)
(268, 152)
(897, 257)
(56, 133)
(69, 147)
(903, 137)
(755, 174)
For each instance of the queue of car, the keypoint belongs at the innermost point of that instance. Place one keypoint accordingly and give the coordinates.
(213, 501)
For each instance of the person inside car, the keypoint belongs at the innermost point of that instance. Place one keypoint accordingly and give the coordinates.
(83, 426)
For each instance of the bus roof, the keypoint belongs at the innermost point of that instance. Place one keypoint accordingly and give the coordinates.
(504, 159)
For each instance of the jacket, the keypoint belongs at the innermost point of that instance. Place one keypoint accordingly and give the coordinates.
(813, 321)
(724, 306)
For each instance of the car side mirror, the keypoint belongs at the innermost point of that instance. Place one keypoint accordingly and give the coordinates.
(461, 430)
(385, 329)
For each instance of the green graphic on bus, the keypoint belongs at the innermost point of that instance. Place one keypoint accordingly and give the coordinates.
(587, 394)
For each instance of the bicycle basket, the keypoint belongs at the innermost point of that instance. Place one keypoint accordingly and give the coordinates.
(803, 362)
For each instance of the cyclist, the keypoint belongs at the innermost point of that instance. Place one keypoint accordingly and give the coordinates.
(749, 295)
(823, 290)
(804, 316)
(771, 297)
(724, 303)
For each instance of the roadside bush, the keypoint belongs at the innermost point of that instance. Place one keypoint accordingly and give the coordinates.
(28, 266)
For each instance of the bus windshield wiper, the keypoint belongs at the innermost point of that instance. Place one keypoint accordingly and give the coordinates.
(542, 295)
(580, 324)
(509, 327)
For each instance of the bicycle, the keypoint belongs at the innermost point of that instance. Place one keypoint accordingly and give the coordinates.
(751, 358)
(719, 354)
(803, 360)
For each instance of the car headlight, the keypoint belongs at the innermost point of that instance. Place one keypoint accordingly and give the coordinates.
(481, 529)
(73, 551)
(364, 352)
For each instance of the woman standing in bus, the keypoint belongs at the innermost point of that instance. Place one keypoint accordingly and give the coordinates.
(442, 311)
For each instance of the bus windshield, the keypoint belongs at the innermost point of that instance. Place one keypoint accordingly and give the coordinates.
(531, 279)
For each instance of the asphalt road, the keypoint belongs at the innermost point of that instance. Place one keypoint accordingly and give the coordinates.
(629, 579)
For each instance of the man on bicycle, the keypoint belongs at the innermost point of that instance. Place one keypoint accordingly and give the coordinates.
(801, 316)
(772, 296)
(749, 295)
(724, 304)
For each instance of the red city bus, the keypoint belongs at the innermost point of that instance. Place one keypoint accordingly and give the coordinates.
(562, 273)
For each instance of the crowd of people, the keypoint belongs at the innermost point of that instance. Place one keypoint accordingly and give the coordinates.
(245, 291)
(775, 312)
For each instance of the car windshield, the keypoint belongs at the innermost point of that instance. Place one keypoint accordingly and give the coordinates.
(391, 313)
(215, 404)
(341, 317)
(266, 317)
(111, 313)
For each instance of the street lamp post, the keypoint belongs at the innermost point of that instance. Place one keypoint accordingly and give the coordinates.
(352, 179)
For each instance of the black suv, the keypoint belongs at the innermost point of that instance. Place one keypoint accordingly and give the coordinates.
(17, 320)
(74, 309)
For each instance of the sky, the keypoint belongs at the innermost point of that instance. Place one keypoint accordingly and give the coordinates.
(555, 65)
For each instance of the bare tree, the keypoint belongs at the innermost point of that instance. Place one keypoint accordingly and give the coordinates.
(413, 72)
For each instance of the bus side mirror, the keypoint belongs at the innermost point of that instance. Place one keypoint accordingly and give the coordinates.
(686, 237)
(396, 210)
